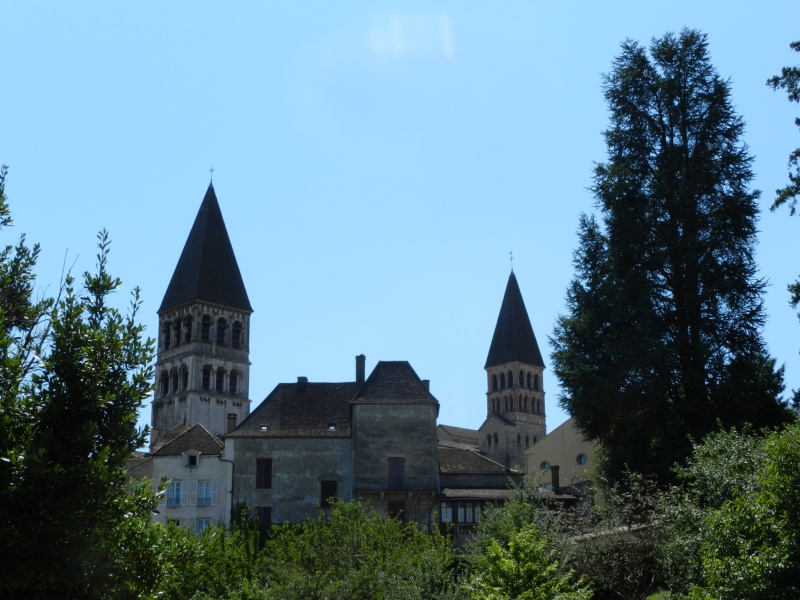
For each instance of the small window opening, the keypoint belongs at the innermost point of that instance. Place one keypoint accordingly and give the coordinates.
(221, 326)
(233, 384)
(236, 335)
(207, 377)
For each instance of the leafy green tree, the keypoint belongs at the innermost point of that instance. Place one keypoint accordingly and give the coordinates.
(746, 544)
(74, 372)
(354, 553)
(662, 341)
(722, 467)
(526, 570)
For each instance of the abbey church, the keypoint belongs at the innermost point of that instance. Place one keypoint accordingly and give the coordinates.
(374, 436)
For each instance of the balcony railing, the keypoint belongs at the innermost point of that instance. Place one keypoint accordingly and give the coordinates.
(406, 484)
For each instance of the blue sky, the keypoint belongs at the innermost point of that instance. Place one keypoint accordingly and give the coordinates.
(375, 162)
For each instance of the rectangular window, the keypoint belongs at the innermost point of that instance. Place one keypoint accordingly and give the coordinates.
(208, 493)
(263, 473)
(447, 512)
(174, 494)
(396, 472)
(264, 514)
(397, 509)
(327, 491)
(202, 525)
(469, 512)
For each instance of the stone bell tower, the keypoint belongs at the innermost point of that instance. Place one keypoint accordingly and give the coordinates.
(202, 366)
(515, 390)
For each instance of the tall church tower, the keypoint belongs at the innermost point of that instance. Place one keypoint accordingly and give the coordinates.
(515, 390)
(203, 366)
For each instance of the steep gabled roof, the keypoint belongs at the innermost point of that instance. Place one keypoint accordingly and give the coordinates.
(460, 460)
(301, 409)
(207, 269)
(513, 338)
(195, 437)
(394, 381)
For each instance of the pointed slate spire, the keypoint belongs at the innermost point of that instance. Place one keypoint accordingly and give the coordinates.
(513, 338)
(207, 269)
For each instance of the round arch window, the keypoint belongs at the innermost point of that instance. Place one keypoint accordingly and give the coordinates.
(581, 459)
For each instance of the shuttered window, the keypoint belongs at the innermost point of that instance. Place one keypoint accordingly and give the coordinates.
(263, 473)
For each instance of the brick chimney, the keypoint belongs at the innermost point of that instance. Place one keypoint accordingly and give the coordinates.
(302, 384)
(361, 362)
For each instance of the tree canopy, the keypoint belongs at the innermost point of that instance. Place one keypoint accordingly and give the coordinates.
(662, 340)
(74, 372)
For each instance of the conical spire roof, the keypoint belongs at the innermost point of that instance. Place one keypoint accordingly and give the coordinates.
(513, 338)
(207, 269)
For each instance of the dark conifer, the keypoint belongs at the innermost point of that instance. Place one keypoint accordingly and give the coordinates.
(662, 342)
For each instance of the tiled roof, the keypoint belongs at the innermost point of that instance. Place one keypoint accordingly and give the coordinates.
(301, 409)
(513, 338)
(479, 494)
(195, 437)
(453, 433)
(497, 494)
(498, 417)
(207, 269)
(394, 381)
(458, 460)
(459, 445)
(169, 436)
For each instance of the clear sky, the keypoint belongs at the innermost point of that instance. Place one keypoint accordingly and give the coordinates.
(375, 162)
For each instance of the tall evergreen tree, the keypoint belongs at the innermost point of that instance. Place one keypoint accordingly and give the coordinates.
(662, 341)
(789, 80)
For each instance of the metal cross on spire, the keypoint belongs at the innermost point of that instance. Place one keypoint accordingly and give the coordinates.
(211, 170)
(511, 258)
